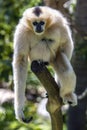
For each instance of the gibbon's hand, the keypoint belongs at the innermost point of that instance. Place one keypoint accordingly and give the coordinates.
(28, 120)
(37, 66)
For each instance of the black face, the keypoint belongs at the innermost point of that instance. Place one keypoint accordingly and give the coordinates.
(39, 26)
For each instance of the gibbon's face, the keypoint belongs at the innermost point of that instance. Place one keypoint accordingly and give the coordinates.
(38, 27)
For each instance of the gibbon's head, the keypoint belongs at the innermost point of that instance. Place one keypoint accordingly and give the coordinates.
(39, 19)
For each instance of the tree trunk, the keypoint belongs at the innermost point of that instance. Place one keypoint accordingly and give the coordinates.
(81, 16)
(77, 115)
(56, 4)
(54, 101)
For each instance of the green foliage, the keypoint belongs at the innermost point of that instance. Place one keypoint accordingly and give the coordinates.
(11, 11)
(7, 121)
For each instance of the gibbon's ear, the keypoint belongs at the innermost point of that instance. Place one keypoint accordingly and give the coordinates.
(48, 22)
(27, 20)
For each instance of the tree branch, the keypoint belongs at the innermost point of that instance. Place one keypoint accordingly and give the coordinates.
(54, 102)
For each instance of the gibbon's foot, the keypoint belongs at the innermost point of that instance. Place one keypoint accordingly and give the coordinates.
(46, 63)
(47, 95)
(71, 99)
(37, 66)
(27, 120)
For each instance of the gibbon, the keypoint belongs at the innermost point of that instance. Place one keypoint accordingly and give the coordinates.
(43, 35)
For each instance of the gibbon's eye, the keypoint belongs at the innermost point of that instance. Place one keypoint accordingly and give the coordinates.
(42, 22)
(35, 23)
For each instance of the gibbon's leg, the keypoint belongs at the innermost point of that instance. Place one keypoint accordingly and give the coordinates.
(67, 78)
(20, 74)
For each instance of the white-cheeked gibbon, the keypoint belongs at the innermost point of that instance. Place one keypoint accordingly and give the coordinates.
(43, 35)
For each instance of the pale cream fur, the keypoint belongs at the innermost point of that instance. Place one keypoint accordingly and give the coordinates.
(58, 53)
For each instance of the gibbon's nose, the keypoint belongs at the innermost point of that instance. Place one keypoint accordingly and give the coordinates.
(39, 29)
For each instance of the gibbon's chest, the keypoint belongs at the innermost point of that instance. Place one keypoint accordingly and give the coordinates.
(43, 48)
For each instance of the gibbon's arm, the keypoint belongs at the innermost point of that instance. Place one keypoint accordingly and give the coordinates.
(20, 61)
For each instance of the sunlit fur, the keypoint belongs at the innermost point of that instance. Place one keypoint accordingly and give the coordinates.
(54, 45)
